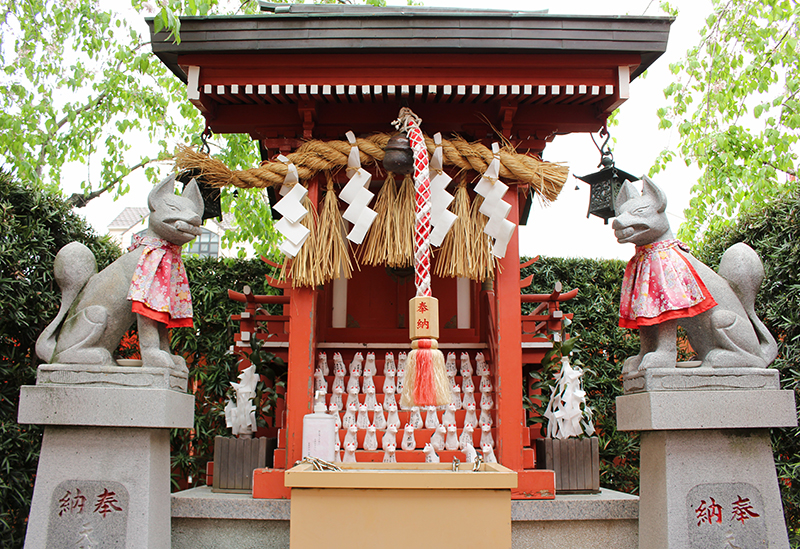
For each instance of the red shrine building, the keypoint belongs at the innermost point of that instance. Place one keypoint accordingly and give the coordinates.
(314, 72)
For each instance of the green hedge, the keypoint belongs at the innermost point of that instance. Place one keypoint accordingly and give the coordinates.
(602, 348)
(35, 225)
(773, 231)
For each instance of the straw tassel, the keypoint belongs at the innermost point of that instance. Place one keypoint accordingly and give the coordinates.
(403, 251)
(453, 259)
(381, 238)
(305, 269)
(482, 261)
(330, 242)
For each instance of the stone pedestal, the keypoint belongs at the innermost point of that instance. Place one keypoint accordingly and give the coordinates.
(103, 478)
(707, 472)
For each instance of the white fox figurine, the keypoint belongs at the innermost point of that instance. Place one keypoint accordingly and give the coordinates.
(415, 418)
(389, 437)
(98, 308)
(488, 453)
(322, 363)
(437, 438)
(409, 442)
(430, 454)
(451, 441)
(466, 436)
(351, 437)
(378, 418)
(371, 439)
(716, 309)
(349, 453)
(389, 453)
(431, 417)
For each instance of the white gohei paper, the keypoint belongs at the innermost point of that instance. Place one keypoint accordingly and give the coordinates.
(442, 219)
(357, 195)
(291, 208)
(567, 413)
(494, 207)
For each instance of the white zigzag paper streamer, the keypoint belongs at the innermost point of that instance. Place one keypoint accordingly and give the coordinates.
(441, 218)
(356, 194)
(291, 208)
(493, 190)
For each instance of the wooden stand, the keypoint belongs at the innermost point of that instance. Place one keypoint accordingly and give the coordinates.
(234, 462)
(576, 462)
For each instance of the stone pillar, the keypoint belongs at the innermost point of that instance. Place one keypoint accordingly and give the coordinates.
(103, 478)
(707, 472)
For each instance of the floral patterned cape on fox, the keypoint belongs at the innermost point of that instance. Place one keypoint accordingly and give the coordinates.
(659, 285)
(160, 288)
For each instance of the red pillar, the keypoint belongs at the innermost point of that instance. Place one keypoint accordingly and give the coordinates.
(508, 362)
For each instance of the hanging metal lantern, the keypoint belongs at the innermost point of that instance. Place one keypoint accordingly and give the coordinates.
(398, 156)
(606, 183)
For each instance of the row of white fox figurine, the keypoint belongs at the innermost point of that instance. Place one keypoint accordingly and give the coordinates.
(439, 441)
(390, 388)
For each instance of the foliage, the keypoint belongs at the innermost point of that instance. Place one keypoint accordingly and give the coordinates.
(211, 365)
(734, 103)
(81, 86)
(773, 231)
(36, 225)
(603, 348)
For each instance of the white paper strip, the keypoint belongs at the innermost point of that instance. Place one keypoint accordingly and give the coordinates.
(358, 181)
(359, 231)
(441, 218)
(297, 233)
(357, 195)
(291, 206)
(494, 207)
(291, 175)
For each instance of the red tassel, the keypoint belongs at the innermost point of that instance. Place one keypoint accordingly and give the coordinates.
(424, 382)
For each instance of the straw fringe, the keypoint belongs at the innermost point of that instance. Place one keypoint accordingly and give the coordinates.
(453, 258)
(315, 156)
(403, 248)
(333, 251)
(482, 261)
(305, 269)
(381, 238)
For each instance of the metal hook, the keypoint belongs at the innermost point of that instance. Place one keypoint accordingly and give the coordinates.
(456, 463)
(204, 146)
(606, 156)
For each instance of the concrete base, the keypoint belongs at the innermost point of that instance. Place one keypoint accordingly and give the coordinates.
(104, 470)
(103, 487)
(690, 376)
(97, 375)
(105, 407)
(201, 518)
(707, 472)
(693, 482)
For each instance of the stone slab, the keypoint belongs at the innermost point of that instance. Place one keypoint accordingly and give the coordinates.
(701, 379)
(105, 406)
(709, 488)
(679, 410)
(101, 487)
(202, 518)
(89, 375)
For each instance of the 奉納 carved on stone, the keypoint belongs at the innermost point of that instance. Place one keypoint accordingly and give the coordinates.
(148, 284)
(666, 287)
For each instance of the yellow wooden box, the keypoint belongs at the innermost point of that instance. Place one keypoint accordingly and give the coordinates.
(401, 505)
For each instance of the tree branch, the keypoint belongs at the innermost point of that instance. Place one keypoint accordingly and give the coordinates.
(78, 200)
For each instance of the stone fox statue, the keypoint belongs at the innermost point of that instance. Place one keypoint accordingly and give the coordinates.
(147, 284)
(666, 287)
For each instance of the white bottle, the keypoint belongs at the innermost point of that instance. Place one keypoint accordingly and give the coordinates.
(319, 434)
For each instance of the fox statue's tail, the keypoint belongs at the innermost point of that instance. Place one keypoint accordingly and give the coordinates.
(73, 266)
(742, 268)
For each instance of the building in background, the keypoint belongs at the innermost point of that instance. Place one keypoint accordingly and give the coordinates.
(133, 221)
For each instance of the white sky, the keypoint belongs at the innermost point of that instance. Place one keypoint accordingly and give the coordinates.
(562, 230)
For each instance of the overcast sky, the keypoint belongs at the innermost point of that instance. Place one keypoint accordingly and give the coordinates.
(562, 229)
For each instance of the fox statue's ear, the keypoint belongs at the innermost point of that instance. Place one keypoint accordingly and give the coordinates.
(657, 195)
(192, 192)
(627, 192)
(163, 189)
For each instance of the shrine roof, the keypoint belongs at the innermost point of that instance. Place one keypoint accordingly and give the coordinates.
(307, 29)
